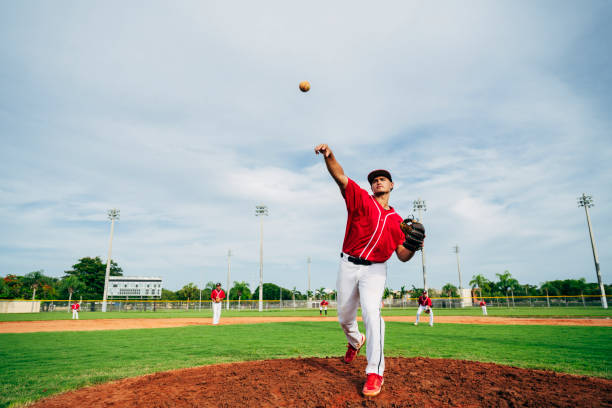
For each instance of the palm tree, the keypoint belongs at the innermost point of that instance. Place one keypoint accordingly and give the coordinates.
(239, 289)
(480, 282)
(506, 282)
(320, 292)
(71, 284)
(450, 290)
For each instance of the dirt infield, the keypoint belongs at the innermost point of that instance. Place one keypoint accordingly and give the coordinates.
(153, 323)
(328, 382)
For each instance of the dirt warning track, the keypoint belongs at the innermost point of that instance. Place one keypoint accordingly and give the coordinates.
(154, 323)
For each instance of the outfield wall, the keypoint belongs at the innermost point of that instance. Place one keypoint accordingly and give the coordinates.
(20, 306)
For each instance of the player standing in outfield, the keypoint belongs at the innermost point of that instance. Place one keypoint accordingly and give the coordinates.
(75, 310)
(217, 297)
(372, 234)
(483, 306)
(425, 304)
(323, 307)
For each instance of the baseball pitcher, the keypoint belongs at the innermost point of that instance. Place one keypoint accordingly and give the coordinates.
(372, 234)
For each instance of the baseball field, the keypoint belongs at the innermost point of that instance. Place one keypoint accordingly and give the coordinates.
(514, 357)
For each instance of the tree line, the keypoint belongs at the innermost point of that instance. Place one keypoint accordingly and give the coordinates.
(86, 280)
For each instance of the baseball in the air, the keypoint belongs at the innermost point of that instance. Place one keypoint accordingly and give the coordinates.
(304, 86)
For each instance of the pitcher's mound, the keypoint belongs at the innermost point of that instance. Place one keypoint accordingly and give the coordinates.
(328, 382)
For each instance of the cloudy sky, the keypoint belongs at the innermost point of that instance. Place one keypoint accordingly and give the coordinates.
(185, 115)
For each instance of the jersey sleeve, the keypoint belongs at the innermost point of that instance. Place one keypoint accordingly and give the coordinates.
(354, 196)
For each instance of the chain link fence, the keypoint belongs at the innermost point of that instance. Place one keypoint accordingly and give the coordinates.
(140, 305)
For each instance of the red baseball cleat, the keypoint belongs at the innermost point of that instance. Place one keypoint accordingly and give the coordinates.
(352, 352)
(373, 385)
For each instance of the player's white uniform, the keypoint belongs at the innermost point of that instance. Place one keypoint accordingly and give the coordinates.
(424, 303)
(371, 237)
(75, 311)
(216, 306)
(483, 306)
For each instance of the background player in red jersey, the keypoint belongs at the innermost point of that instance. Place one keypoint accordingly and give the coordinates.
(75, 310)
(323, 307)
(217, 297)
(426, 305)
(483, 306)
(372, 234)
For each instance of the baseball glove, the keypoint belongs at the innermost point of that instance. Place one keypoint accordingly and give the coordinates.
(427, 311)
(414, 232)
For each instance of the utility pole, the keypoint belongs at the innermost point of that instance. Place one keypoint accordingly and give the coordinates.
(419, 206)
(260, 211)
(113, 215)
(229, 255)
(587, 202)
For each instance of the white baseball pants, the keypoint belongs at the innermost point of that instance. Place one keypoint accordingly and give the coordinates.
(216, 307)
(75, 314)
(420, 310)
(363, 285)
(484, 310)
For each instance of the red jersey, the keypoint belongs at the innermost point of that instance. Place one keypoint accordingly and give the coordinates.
(425, 301)
(75, 306)
(324, 303)
(217, 294)
(372, 232)
(483, 303)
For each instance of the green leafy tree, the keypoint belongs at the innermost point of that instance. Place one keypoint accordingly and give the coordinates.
(320, 293)
(92, 272)
(188, 292)
(479, 281)
(271, 291)
(4, 289)
(13, 284)
(70, 285)
(506, 283)
(387, 292)
(240, 290)
(416, 292)
(450, 290)
(167, 294)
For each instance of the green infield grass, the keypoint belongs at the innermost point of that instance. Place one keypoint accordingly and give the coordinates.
(556, 312)
(40, 364)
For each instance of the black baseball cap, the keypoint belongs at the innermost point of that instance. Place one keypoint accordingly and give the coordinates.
(377, 173)
(218, 284)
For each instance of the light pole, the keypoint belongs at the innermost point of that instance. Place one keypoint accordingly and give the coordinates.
(308, 261)
(587, 202)
(229, 255)
(113, 215)
(419, 206)
(456, 247)
(260, 211)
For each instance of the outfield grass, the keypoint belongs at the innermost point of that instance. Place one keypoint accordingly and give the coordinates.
(565, 312)
(40, 364)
